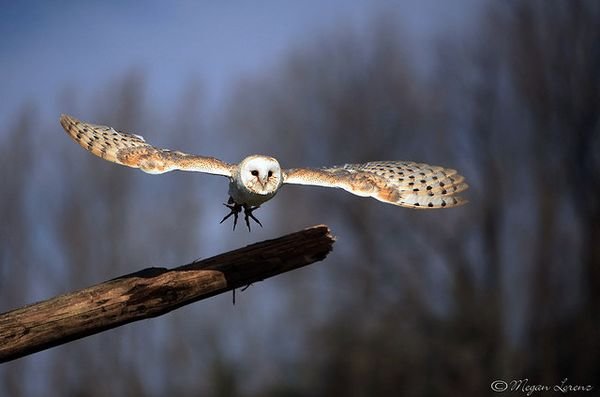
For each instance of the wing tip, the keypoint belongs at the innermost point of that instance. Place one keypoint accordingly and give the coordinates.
(65, 120)
(67, 117)
(447, 202)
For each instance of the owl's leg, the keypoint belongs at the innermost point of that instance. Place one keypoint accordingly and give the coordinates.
(235, 210)
(248, 214)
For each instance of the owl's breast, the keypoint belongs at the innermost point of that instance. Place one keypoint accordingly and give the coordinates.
(241, 195)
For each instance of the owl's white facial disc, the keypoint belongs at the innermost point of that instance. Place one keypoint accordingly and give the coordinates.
(261, 174)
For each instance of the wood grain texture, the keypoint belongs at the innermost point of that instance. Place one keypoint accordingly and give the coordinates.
(152, 292)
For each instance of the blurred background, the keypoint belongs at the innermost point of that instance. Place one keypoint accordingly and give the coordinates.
(410, 303)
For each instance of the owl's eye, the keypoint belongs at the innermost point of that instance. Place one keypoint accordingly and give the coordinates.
(254, 172)
(270, 174)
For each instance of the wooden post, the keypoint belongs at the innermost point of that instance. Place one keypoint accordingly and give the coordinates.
(152, 292)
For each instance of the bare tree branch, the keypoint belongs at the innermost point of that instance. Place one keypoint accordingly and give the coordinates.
(152, 292)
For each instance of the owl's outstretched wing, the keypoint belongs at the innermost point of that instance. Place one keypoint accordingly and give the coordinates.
(132, 150)
(404, 183)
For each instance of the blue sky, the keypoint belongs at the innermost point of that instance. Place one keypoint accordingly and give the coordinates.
(47, 47)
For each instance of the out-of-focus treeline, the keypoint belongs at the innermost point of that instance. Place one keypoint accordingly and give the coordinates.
(410, 302)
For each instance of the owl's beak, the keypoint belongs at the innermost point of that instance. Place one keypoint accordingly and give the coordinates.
(263, 182)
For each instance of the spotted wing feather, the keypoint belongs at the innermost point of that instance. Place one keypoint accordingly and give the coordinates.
(403, 183)
(132, 150)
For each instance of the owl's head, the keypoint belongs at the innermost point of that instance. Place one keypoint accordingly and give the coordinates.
(261, 174)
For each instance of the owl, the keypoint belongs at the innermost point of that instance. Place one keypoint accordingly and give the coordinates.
(257, 178)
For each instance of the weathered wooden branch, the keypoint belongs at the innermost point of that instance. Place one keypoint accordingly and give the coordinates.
(153, 291)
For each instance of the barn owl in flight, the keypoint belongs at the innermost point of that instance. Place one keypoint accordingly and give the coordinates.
(257, 178)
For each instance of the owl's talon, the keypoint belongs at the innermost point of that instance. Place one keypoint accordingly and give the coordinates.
(236, 208)
(248, 214)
